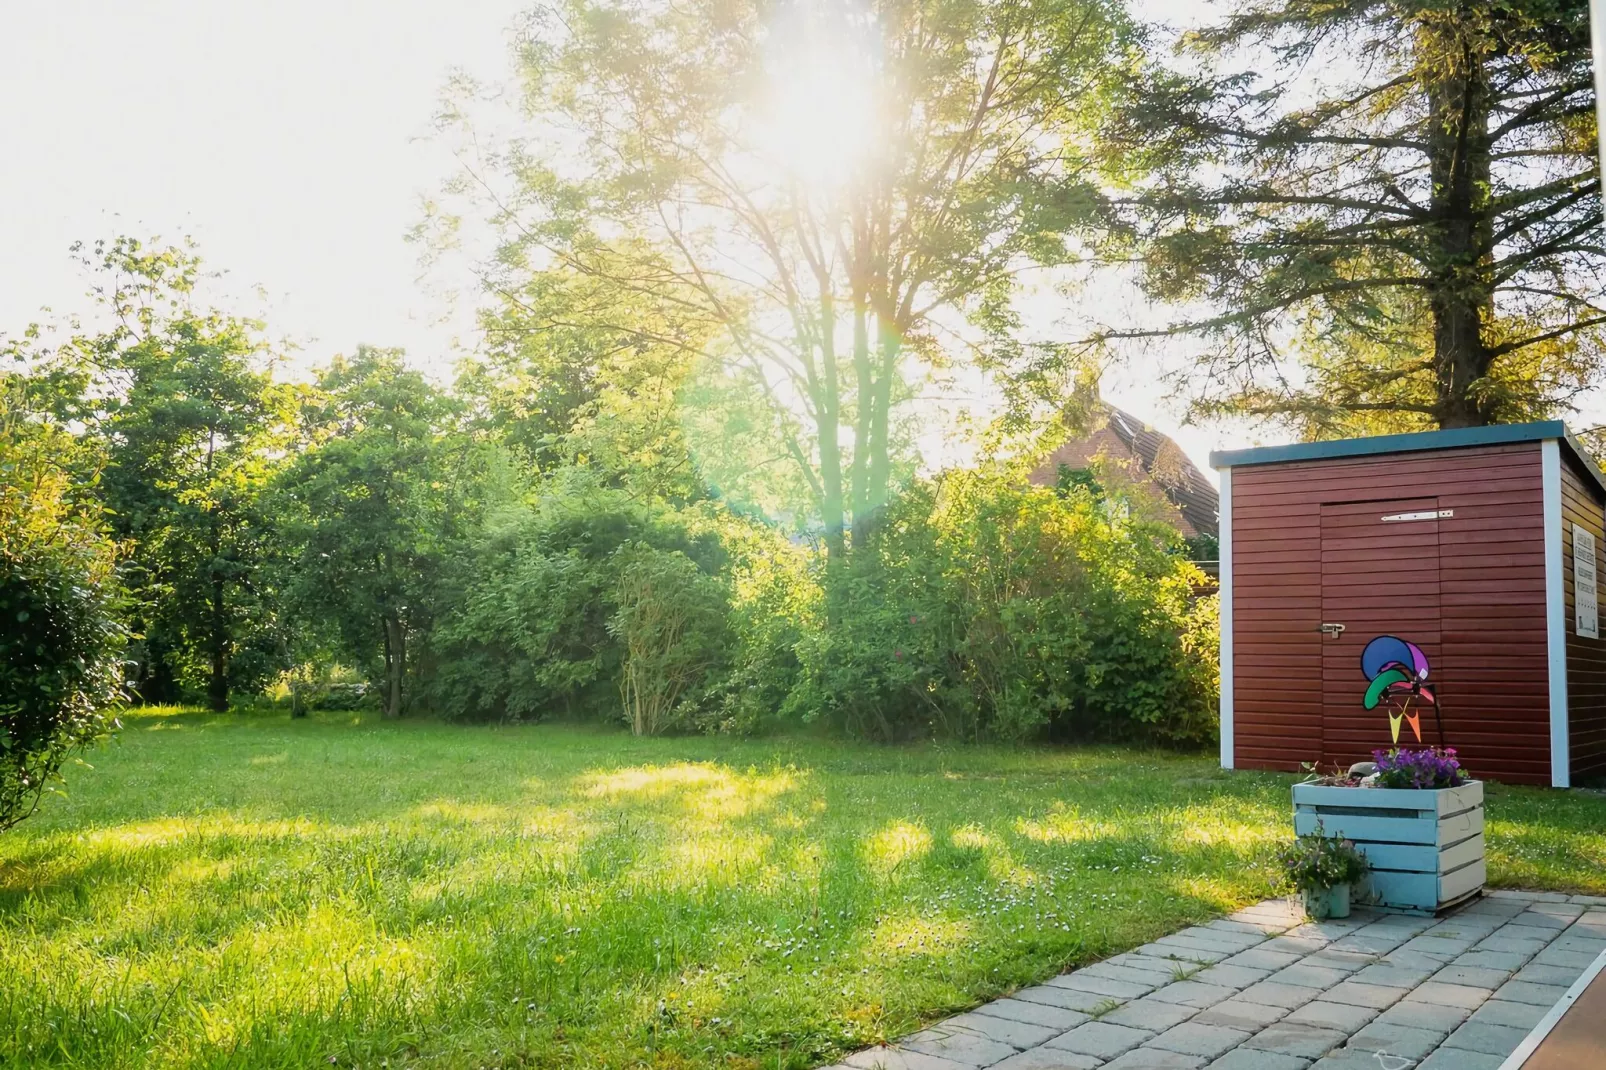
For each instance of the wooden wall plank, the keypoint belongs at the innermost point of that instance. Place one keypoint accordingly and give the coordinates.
(1491, 670)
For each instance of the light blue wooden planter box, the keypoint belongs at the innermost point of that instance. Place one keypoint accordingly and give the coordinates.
(1425, 846)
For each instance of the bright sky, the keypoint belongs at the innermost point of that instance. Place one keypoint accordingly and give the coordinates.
(290, 139)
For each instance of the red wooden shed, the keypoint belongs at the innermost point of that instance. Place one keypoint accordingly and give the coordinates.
(1476, 545)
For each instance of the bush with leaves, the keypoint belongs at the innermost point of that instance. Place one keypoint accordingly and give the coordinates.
(988, 609)
(529, 634)
(61, 640)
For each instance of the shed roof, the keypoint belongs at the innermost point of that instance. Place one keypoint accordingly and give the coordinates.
(1456, 438)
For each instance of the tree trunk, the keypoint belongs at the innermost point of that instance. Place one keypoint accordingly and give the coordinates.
(395, 665)
(1461, 291)
(833, 511)
(217, 689)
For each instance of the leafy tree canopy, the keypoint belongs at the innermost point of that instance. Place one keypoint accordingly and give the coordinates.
(1391, 209)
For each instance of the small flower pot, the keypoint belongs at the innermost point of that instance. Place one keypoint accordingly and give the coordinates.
(1324, 903)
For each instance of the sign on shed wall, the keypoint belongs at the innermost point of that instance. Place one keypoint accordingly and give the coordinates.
(1586, 602)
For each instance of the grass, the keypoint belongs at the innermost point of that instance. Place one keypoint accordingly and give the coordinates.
(248, 891)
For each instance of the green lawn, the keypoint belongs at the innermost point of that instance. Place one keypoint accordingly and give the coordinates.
(244, 891)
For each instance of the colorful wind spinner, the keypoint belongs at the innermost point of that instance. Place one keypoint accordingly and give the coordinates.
(1398, 672)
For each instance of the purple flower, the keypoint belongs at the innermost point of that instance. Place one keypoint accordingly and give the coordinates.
(1429, 767)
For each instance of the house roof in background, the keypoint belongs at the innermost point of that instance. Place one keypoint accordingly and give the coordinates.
(1169, 467)
(1145, 457)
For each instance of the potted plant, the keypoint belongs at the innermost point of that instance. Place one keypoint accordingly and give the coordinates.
(1417, 819)
(1324, 869)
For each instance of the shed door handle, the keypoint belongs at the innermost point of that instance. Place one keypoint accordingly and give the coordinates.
(1334, 630)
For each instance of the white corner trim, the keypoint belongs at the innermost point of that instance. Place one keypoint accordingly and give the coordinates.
(1536, 1037)
(1224, 567)
(1555, 612)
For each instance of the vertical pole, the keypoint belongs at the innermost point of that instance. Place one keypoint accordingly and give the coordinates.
(1555, 612)
(1224, 567)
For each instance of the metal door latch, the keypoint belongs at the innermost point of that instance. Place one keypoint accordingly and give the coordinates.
(1334, 630)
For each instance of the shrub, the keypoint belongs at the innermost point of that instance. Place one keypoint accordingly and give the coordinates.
(670, 623)
(60, 638)
(984, 608)
(557, 598)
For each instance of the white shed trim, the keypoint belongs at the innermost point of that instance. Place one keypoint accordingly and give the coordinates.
(1555, 612)
(1224, 567)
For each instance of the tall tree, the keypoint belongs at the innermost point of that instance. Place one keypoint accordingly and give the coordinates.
(369, 510)
(178, 405)
(1390, 208)
(835, 190)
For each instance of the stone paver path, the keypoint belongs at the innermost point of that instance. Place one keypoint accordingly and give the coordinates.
(1264, 989)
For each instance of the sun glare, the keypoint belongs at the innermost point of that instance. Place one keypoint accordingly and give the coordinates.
(819, 109)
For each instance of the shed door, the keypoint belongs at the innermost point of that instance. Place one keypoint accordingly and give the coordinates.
(1380, 576)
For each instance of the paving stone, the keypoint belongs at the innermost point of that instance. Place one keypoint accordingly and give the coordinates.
(1048, 1059)
(1015, 1033)
(1474, 976)
(1487, 1038)
(1020, 1010)
(1241, 1014)
(1227, 941)
(1103, 1039)
(1370, 945)
(1165, 947)
(1263, 926)
(1155, 1059)
(1104, 986)
(1131, 974)
(1398, 1040)
(1229, 976)
(1494, 907)
(1300, 945)
(1331, 930)
(1194, 993)
(1449, 995)
(1526, 897)
(1292, 1038)
(1491, 960)
(1070, 999)
(1527, 992)
(1531, 925)
(1441, 947)
(1434, 1016)
(1505, 941)
(894, 1059)
(1195, 1038)
(1343, 1016)
(1169, 967)
(1154, 1015)
(1395, 975)
(1364, 995)
(1350, 1059)
(1457, 1059)
(961, 1045)
(1265, 958)
(1541, 974)
(1557, 956)
(1308, 976)
(1588, 900)
(1278, 994)
(1506, 1012)
(1570, 941)
(1250, 1059)
(1347, 961)
(1555, 910)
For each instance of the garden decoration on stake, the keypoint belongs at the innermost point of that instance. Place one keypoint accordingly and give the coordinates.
(1398, 671)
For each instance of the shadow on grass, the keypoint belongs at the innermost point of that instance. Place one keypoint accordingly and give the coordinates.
(556, 897)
